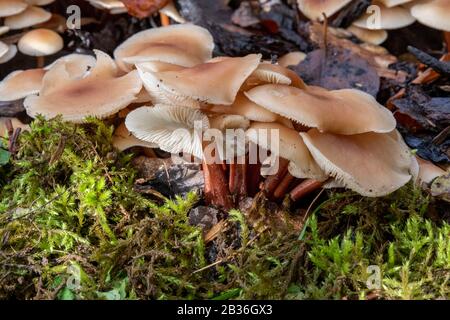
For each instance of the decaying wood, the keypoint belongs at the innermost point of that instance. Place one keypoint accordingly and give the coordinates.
(442, 67)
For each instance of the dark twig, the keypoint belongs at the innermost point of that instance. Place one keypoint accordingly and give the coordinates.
(13, 141)
(430, 61)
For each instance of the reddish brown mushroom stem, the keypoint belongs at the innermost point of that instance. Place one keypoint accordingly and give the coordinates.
(273, 181)
(216, 186)
(13, 141)
(306, 187)
(283, 187)
(447, 40)
(238, 179)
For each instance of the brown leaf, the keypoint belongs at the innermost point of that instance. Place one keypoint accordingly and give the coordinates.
(143, 8)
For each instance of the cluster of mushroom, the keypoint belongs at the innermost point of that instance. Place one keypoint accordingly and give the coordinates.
(372, 26)
(165, 79)
(42, 41)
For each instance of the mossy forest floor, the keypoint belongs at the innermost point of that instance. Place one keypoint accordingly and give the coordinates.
(72, 227)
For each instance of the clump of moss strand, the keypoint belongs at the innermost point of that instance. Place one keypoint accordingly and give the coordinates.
(72, 227)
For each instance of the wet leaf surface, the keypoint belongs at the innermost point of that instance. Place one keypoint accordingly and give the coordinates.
(338, 68)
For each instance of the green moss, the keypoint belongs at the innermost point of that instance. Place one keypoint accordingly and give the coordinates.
(72, 227)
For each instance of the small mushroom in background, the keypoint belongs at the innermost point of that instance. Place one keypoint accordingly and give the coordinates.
(390, 17)
(346, 111)
(171, 11)
(185, 45)
(40, 43)
(214, 82)
(8, 55)
(29, 17)
(113, 6)
(434, 14)
(3, 30)
(12, 7)
(101, 93)
(428, 172)
(291, 59)
(314, 10)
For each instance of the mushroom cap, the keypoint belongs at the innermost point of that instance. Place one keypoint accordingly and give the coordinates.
(19, 84)
(244, 107)
(3, 30)
(289, 146)
(313, 9)
(393, 3)
(3, 49)
(11, 7)
(291, 59)
(371, 164)
(428, 171)
(171, 11)
(12, 51)
(183, 44)
(40, 42)
(123, 139)
(276, 74)
(370, 36)
(390, 18)
(30, 17)
(346, 111)
(434, 14)
(39, 2)
(100, 93)
(214, 82)
(174, 129)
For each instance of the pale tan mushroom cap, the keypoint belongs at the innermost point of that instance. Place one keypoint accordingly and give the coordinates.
(3, 30)
(30, 17)
(390, 18)
(19, 84)
(434, 14)
(313, 9)
(182, 44)
(11, 7)
(3, 49)
(276, 74)
(291, 59)
(393, 3)
(39, 2)
(345, 111)
(371, 164)
(171, 11)
(428, 171)
(12, 51)
(123, 139)
(100, 93)
(244, 107)
(40, 42)
(289, 146)
(215, 82)
(174, 129)
(370, 36)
